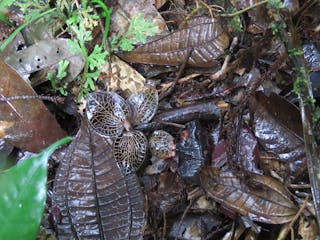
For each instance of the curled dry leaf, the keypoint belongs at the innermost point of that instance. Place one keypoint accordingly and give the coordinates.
(26, 124)
(130, 150)
(204, 37)
(261, 198)
(46, 54)
(107, 113)
(121, 77)
(144, 105)
(95, 199)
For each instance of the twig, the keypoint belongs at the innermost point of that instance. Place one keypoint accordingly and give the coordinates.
(184, 215)
(216, 76)
(286, 230)
(244, 10)
(164, 229)
(166, 86)
(174, 83)
(171, 124)
(204, 110)
(54, 99)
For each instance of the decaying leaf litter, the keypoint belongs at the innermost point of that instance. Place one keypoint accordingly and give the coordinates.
(225, 152)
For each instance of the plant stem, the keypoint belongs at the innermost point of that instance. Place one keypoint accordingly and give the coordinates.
(18, 29)
(244, 10)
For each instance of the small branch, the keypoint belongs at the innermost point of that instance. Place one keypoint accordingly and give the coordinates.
(174, 83)
(289, 227)
(216, 76)
(244, 10)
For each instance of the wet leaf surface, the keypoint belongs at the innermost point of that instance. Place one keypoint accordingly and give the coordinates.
(27, 123)
(107, 113)
(23, 193)
(191, 151)
(198, 224)
(259, 197)
(272, 124)
(130, 151)
(204, 37)
(144, 105)
(46, 54)
(94, 198)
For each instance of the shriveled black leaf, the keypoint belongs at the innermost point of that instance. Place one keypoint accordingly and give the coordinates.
(204, 36)
(95, 199)
(191, 151)
(259, 197)
(107, 113)
(277, 125)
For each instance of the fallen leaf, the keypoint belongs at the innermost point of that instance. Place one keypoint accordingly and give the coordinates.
(27, 123)
(94, 198)
(204, 37)
(122, 77)
(261, 198)
(46, 54)
(127, 9)
(277, 125)
(191, 151)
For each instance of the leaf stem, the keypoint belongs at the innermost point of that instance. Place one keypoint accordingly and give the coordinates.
(18, 29)
(244, 10)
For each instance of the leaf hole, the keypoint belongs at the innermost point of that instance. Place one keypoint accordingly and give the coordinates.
(20, 60)
(20, 47)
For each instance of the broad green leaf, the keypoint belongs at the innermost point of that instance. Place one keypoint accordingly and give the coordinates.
(23, 194)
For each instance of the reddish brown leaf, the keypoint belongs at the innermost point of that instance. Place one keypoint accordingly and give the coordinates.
(204, 36)
(277, 125)
(95, 199)
(260, 198)
(26, 124)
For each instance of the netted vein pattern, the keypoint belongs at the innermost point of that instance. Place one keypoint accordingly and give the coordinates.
(129, 151)
(144, 105)
(107, 112)
(162, 144)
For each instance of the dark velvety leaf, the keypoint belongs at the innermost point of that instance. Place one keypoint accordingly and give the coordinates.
(191, 151)
(26, 124)
(23, 195)
(277, 125)
(95, 199)
(261, 198)
(204, 36)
